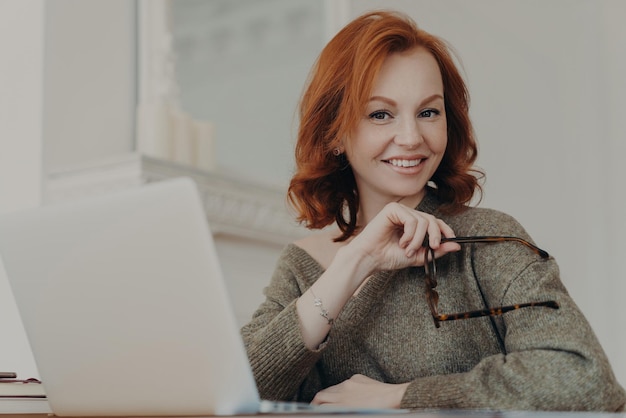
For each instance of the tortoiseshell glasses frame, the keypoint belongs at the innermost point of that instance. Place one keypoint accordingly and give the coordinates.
(432, 296)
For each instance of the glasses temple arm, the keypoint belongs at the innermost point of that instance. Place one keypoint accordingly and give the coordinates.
(488, 238)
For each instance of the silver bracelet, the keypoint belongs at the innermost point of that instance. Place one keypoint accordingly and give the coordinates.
(323, 311)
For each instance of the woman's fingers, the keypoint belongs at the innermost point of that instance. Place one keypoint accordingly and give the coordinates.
(409, 225)
(421, 229)
(396, 237)
(415, 227)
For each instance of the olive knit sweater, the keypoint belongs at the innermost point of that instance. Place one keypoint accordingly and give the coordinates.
(528, 359)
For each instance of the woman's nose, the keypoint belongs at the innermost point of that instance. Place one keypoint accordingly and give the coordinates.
(408, 135)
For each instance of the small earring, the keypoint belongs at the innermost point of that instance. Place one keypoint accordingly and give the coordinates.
(336, 152)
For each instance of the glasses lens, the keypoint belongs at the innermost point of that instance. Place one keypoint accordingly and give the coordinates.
(432, 297)
(432, 267)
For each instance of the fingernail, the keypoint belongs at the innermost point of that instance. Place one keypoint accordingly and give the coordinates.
(410, 253)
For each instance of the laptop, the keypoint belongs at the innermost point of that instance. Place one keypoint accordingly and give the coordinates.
(125, 307)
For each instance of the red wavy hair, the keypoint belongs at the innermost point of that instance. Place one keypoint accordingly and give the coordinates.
(323, 189)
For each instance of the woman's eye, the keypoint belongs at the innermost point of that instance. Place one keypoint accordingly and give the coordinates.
(429, 113)
(380, 115)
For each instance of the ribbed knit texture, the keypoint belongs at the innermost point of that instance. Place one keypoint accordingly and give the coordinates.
(538, 359)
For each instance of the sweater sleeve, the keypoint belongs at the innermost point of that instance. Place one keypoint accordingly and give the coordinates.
(279, 359)
(551, 359)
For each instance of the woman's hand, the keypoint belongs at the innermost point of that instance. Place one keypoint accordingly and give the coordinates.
(361, 391)
(394, 238)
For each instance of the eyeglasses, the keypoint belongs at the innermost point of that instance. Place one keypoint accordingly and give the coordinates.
(432, 296)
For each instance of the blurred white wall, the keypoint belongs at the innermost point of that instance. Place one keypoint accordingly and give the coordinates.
(546, 79)
(21, 103)
(90, 80)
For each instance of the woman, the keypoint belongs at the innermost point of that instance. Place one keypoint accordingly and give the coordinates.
(355, 314)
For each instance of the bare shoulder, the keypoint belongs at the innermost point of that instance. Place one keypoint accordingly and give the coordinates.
(321, 245)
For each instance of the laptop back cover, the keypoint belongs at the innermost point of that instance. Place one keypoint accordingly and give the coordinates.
(124, 305)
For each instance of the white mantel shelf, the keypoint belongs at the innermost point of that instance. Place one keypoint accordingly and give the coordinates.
(233, 206)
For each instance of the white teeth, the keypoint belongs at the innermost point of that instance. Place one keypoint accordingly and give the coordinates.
(405, 163)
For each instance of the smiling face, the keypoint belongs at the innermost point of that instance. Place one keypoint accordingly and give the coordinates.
(401, 138)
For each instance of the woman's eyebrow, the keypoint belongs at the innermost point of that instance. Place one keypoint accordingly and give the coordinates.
(432, 98)
(382, 99)
(391, 102)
